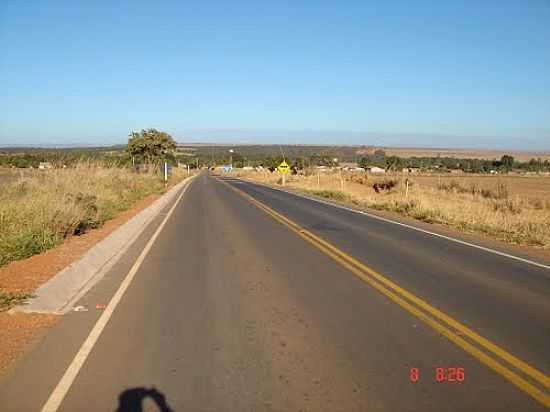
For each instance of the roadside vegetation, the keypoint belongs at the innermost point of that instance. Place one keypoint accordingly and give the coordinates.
(11, 299)
(38, 212)
(39, 209)
(512, 209)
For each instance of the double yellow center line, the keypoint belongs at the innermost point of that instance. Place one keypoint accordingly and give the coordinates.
(441, 322)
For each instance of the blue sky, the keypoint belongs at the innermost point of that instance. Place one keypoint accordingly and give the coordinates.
(422, 73)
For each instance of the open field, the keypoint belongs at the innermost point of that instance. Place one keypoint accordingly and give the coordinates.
(511, 209)
(520, 155)
(39, 209)
(526, 187)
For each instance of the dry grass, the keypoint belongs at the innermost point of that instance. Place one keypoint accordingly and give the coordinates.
(531, 187)
(512, 209)
(40, 210)
(11, 175)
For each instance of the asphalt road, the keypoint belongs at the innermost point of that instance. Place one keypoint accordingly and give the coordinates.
(244, 306)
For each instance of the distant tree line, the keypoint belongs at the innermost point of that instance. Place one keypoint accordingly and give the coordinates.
(505, 164)
(152, 146)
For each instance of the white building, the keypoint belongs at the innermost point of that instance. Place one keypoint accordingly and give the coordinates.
(376, 169)
(45, 165)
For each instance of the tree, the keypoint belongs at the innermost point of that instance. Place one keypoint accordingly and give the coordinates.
(507, 162)
(299, 163)
(151, 145)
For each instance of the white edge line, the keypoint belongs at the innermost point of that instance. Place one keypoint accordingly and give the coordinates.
(90, 283)
(58, 394)
(361, 212)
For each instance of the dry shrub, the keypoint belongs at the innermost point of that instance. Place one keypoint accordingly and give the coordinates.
(454, 186)
(537, 203)
(506, 206)
(361, 179)
(331, 194)
(500, 191)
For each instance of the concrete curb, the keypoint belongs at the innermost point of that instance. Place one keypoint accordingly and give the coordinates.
(59, 294)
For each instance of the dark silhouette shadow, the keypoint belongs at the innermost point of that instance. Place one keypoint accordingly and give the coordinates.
(131, 400)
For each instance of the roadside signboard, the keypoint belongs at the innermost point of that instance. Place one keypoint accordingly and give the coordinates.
(167, 167)
(166, 170)
(283, 167)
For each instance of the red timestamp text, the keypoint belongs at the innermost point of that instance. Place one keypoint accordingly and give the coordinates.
(441, 375)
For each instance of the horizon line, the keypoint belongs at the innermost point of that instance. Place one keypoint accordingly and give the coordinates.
(183, 143)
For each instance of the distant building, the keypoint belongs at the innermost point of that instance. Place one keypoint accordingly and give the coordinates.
(45, 165)
(376, 169)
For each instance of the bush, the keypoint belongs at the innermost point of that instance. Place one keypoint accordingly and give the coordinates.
(501, 192)
(537, 204)
(453, 186)
(9, 300)
(405, 206)
(506, 206)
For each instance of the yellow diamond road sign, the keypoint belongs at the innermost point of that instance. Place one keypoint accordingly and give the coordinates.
(283, 167)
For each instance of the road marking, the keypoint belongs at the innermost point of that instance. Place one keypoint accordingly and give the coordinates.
(418, 229)
(400, 296)
(60, 391)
